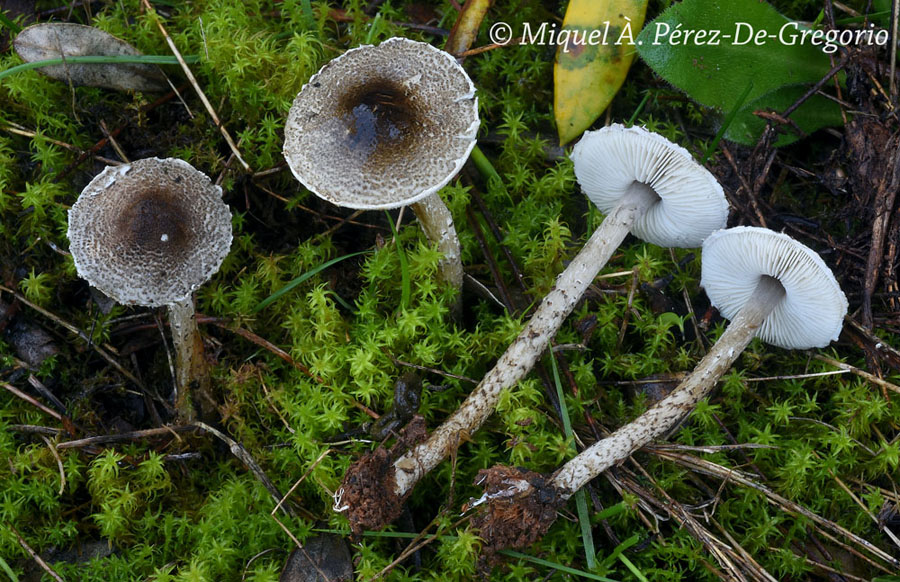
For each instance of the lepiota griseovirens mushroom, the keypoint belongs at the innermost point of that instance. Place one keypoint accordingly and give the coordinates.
(647, 186)
(150, 233)
(769, 285)
(386, 126)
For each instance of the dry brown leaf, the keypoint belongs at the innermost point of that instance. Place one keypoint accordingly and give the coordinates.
(56, 40)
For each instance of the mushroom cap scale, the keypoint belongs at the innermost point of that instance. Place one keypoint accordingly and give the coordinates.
(382, 126)
(150, 232)
(812, 311)
(691, 206)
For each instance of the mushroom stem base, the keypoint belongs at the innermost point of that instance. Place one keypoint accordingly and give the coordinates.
(672, 409)
(521, 355)
(190, 367)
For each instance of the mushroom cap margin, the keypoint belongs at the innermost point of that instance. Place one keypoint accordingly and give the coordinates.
(109, 218)
(692, 204)
(812, 311)
(316, 147)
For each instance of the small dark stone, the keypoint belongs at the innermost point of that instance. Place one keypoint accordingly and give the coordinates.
(32, 344)
(323, 558)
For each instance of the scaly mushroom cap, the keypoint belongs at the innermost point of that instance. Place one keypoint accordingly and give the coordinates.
(691, 205)
(150, 232)
(812, 311)
(382, 126)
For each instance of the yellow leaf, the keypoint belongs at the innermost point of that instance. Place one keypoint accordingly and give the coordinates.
(592, 59)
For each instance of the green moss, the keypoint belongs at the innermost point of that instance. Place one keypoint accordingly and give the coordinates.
(207, 517)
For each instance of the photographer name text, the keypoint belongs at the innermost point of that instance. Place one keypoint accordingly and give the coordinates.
(663, 33)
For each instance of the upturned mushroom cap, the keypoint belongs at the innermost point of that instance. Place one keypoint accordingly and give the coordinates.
(692, 205)
(382, 126)
(812, 311)
(150, 232)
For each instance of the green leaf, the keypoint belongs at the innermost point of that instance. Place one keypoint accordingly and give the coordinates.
(588, 73)
(815, 113)
(713, 74)
(294, 282)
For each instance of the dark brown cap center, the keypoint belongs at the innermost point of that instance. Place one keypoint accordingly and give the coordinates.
(155, 223)
(380, 119)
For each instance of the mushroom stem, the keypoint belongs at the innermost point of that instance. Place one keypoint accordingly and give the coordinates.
(437, 222)
(669, 411)
(189, 364)
(521, 355)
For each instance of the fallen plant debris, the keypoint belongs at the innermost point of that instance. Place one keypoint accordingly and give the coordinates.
(787, 471)
(60, 40)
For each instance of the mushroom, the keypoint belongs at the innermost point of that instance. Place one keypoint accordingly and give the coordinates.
(663, 196)
(387, 126)
(150, 233)
(769, 285)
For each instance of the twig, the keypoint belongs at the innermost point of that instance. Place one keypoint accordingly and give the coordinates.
(125, 436)
(341, 223)
(244, 456)
(895, 17)
(861, 373)
(261, 342)
(100, 351)
(40, 562)
(35, 429)
(417, 544)
(427, 369)
(112, 141)
(45, 392)
(812, 90)
(490, 47)
(59, 463)
(36, 404)
(196, 86)
(835, 430)
(290, 492)
(715, 470)
(272, 403)
(466, 27)
(815, 564)
(492, 263)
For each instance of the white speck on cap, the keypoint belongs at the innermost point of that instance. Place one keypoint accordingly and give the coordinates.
(812, 311)
(382, 126)
(150, 232)
(692, 205)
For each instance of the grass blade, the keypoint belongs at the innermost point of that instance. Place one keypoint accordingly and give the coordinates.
(634, 570)
(5, 21)
(584, 520)
(508, 553)
(638, 109)
(727, 122)
(100, 60)
(488, 172)
(308, 15)
(406, 289)
(555, 566)
(5, 567)
(294, 282)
